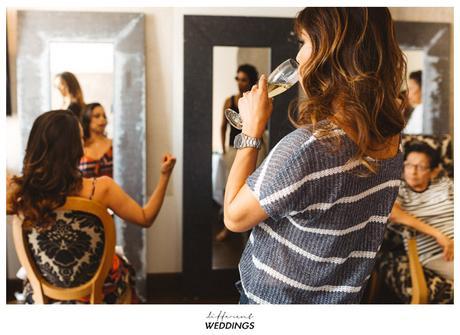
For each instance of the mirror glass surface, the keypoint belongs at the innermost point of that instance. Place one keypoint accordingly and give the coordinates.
(92, 64)
(228, 84)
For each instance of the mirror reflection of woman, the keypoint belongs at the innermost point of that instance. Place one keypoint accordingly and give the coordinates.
(414, 94)
(246, 77)
(98, 154)
(72, 95)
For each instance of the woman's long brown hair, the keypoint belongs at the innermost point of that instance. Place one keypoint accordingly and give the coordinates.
(50, 170)
(357, 67)
(74, 88)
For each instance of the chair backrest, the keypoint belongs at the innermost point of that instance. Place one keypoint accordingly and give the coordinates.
(72, 259)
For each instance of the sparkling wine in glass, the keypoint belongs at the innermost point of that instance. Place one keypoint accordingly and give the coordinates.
(279, 81)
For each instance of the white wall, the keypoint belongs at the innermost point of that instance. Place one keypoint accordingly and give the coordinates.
(164, 66)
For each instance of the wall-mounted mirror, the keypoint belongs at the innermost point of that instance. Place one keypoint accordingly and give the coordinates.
(214, 48)
(427, 48)
(235, 70)
(105, 51)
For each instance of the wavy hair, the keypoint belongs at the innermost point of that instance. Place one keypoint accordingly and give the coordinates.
(71, 81)
(50, 169)
(357, 67)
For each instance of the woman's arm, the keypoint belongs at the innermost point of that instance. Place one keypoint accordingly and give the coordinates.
(242, 210)
(399, 215)
(126, 208)
(223, 126)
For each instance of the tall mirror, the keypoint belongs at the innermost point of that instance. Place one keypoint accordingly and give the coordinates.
(105, 53)
(235, 70)
(214, 48)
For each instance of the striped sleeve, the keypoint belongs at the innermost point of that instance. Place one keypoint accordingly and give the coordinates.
(275, 183)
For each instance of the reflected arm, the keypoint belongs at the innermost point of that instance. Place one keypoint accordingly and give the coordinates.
(223, 127)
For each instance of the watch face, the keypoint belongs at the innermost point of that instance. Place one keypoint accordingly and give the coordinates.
(237, 142)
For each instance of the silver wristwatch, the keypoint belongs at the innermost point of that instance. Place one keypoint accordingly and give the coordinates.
(244, 141)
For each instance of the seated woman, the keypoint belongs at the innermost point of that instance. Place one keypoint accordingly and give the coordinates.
(50, 174)
(425, 203)
(98, 157)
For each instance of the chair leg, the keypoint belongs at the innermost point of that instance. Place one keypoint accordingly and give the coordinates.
(373, 287)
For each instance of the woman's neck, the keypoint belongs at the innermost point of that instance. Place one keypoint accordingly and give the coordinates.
(96, 137)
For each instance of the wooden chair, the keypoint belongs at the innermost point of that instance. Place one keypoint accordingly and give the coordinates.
(42, 288)
(419, 285)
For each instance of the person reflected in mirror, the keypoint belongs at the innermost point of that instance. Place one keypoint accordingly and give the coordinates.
(408, 110)
(246, 76)
(426, 203)
(50, 174)
(98, 152)
(72, 96)
(414, 92)
(319, 202)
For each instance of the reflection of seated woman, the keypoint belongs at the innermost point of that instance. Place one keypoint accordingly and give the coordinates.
(50, 174)
(71, 92)
(427, 206)
(98, 157)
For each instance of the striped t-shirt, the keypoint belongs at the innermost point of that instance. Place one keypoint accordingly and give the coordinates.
(434, 206)
(326, 222)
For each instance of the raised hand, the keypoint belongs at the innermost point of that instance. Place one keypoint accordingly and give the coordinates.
(167, 164)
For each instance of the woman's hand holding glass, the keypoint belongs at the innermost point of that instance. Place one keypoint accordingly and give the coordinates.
(255, 109)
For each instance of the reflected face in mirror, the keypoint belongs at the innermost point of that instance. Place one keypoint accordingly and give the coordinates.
(242, 79)
(61, 86)
(414, 92)
(98, 121)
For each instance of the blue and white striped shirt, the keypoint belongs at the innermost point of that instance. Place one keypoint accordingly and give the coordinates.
(326, 222)
(434, 206)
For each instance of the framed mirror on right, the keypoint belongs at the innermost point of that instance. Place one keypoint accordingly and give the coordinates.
(427, 49)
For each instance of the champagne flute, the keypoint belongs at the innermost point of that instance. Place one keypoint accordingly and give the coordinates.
(279, 81)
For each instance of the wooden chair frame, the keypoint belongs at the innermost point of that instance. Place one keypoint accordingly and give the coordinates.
(42, 289)
(417, 276)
